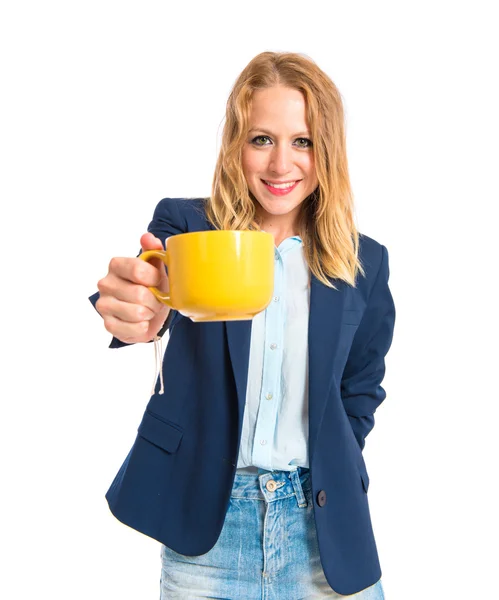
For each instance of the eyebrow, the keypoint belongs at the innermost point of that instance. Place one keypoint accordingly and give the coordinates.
(258, 129)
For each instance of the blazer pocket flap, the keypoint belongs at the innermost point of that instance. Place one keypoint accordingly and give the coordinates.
(160, 433)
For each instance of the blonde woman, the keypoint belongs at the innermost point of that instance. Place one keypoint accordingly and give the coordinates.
(249, 468)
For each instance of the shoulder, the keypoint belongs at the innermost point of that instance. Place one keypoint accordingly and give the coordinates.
(188, 213)
(369, 248)
(373, 256)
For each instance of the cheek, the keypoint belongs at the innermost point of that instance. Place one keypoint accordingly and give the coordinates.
(251, 164)
(308, 167)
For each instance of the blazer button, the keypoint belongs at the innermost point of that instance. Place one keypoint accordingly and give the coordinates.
(321, 498)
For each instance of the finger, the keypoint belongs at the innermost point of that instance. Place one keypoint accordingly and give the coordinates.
(149, 241)
(125, 311)
(124, 331)
(114, 288)
(136, 270)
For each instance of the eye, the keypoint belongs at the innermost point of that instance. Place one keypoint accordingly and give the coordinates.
(256, 141)
(304, 143)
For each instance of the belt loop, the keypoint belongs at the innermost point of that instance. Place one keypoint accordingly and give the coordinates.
(294, 476)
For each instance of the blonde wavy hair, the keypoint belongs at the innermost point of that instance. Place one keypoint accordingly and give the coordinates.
(326, 223)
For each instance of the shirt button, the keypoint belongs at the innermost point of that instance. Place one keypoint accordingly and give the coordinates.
(273, 346)
(269, 396)
(276, 298)
(263, 442)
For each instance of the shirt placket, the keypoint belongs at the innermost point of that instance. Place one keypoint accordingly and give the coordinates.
(271, 376)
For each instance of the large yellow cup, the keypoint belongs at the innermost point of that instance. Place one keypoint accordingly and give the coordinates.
(217, 275)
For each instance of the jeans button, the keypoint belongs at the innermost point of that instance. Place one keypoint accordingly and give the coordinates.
(271, 485)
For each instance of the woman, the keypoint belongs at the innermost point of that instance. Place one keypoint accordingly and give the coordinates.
(249, 468)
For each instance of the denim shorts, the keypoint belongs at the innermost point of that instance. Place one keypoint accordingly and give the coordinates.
(267, 549)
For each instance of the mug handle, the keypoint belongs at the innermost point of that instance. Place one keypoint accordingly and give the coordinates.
(163, 256)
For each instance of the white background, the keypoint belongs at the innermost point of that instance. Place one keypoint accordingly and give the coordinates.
(107, 107)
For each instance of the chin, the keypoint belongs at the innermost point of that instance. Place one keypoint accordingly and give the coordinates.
(279, 211)
(278, 206)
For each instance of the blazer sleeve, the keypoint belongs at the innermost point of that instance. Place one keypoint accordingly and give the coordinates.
(166, 221)
(361, 390)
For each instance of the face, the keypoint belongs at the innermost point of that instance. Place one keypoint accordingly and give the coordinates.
(277, 156)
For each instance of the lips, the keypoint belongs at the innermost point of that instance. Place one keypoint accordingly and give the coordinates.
(287, 186)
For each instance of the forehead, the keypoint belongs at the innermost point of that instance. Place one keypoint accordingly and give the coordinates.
(278, 105)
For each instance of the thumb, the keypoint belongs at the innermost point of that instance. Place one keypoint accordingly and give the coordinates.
(149, 242)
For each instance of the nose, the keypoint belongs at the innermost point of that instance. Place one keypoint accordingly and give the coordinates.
(280, 159)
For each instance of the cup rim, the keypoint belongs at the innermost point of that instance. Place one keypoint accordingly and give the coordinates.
(219, 231)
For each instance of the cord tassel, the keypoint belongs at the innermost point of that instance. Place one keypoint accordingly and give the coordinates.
(158, 364)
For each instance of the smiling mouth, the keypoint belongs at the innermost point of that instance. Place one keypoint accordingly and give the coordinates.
(281, 186)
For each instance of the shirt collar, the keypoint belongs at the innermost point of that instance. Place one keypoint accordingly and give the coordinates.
(288, 244)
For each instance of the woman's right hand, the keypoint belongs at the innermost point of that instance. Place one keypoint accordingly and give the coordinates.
(130, 311)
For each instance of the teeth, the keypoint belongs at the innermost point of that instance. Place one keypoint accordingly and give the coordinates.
(281, 186)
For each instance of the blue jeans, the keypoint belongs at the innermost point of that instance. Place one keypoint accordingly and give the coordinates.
(267, 550)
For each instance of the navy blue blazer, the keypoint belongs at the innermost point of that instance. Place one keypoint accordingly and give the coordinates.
(176, 481)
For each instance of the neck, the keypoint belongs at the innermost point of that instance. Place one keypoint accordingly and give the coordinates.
(280, 229)
(279, 234)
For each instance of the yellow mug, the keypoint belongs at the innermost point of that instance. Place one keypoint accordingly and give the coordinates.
(217, 275)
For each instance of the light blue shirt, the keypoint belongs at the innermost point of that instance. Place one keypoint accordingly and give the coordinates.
(275, 423)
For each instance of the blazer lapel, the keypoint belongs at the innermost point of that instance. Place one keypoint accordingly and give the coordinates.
(324, 330)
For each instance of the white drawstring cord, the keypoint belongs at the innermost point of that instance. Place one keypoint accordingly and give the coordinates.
(158, 364)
